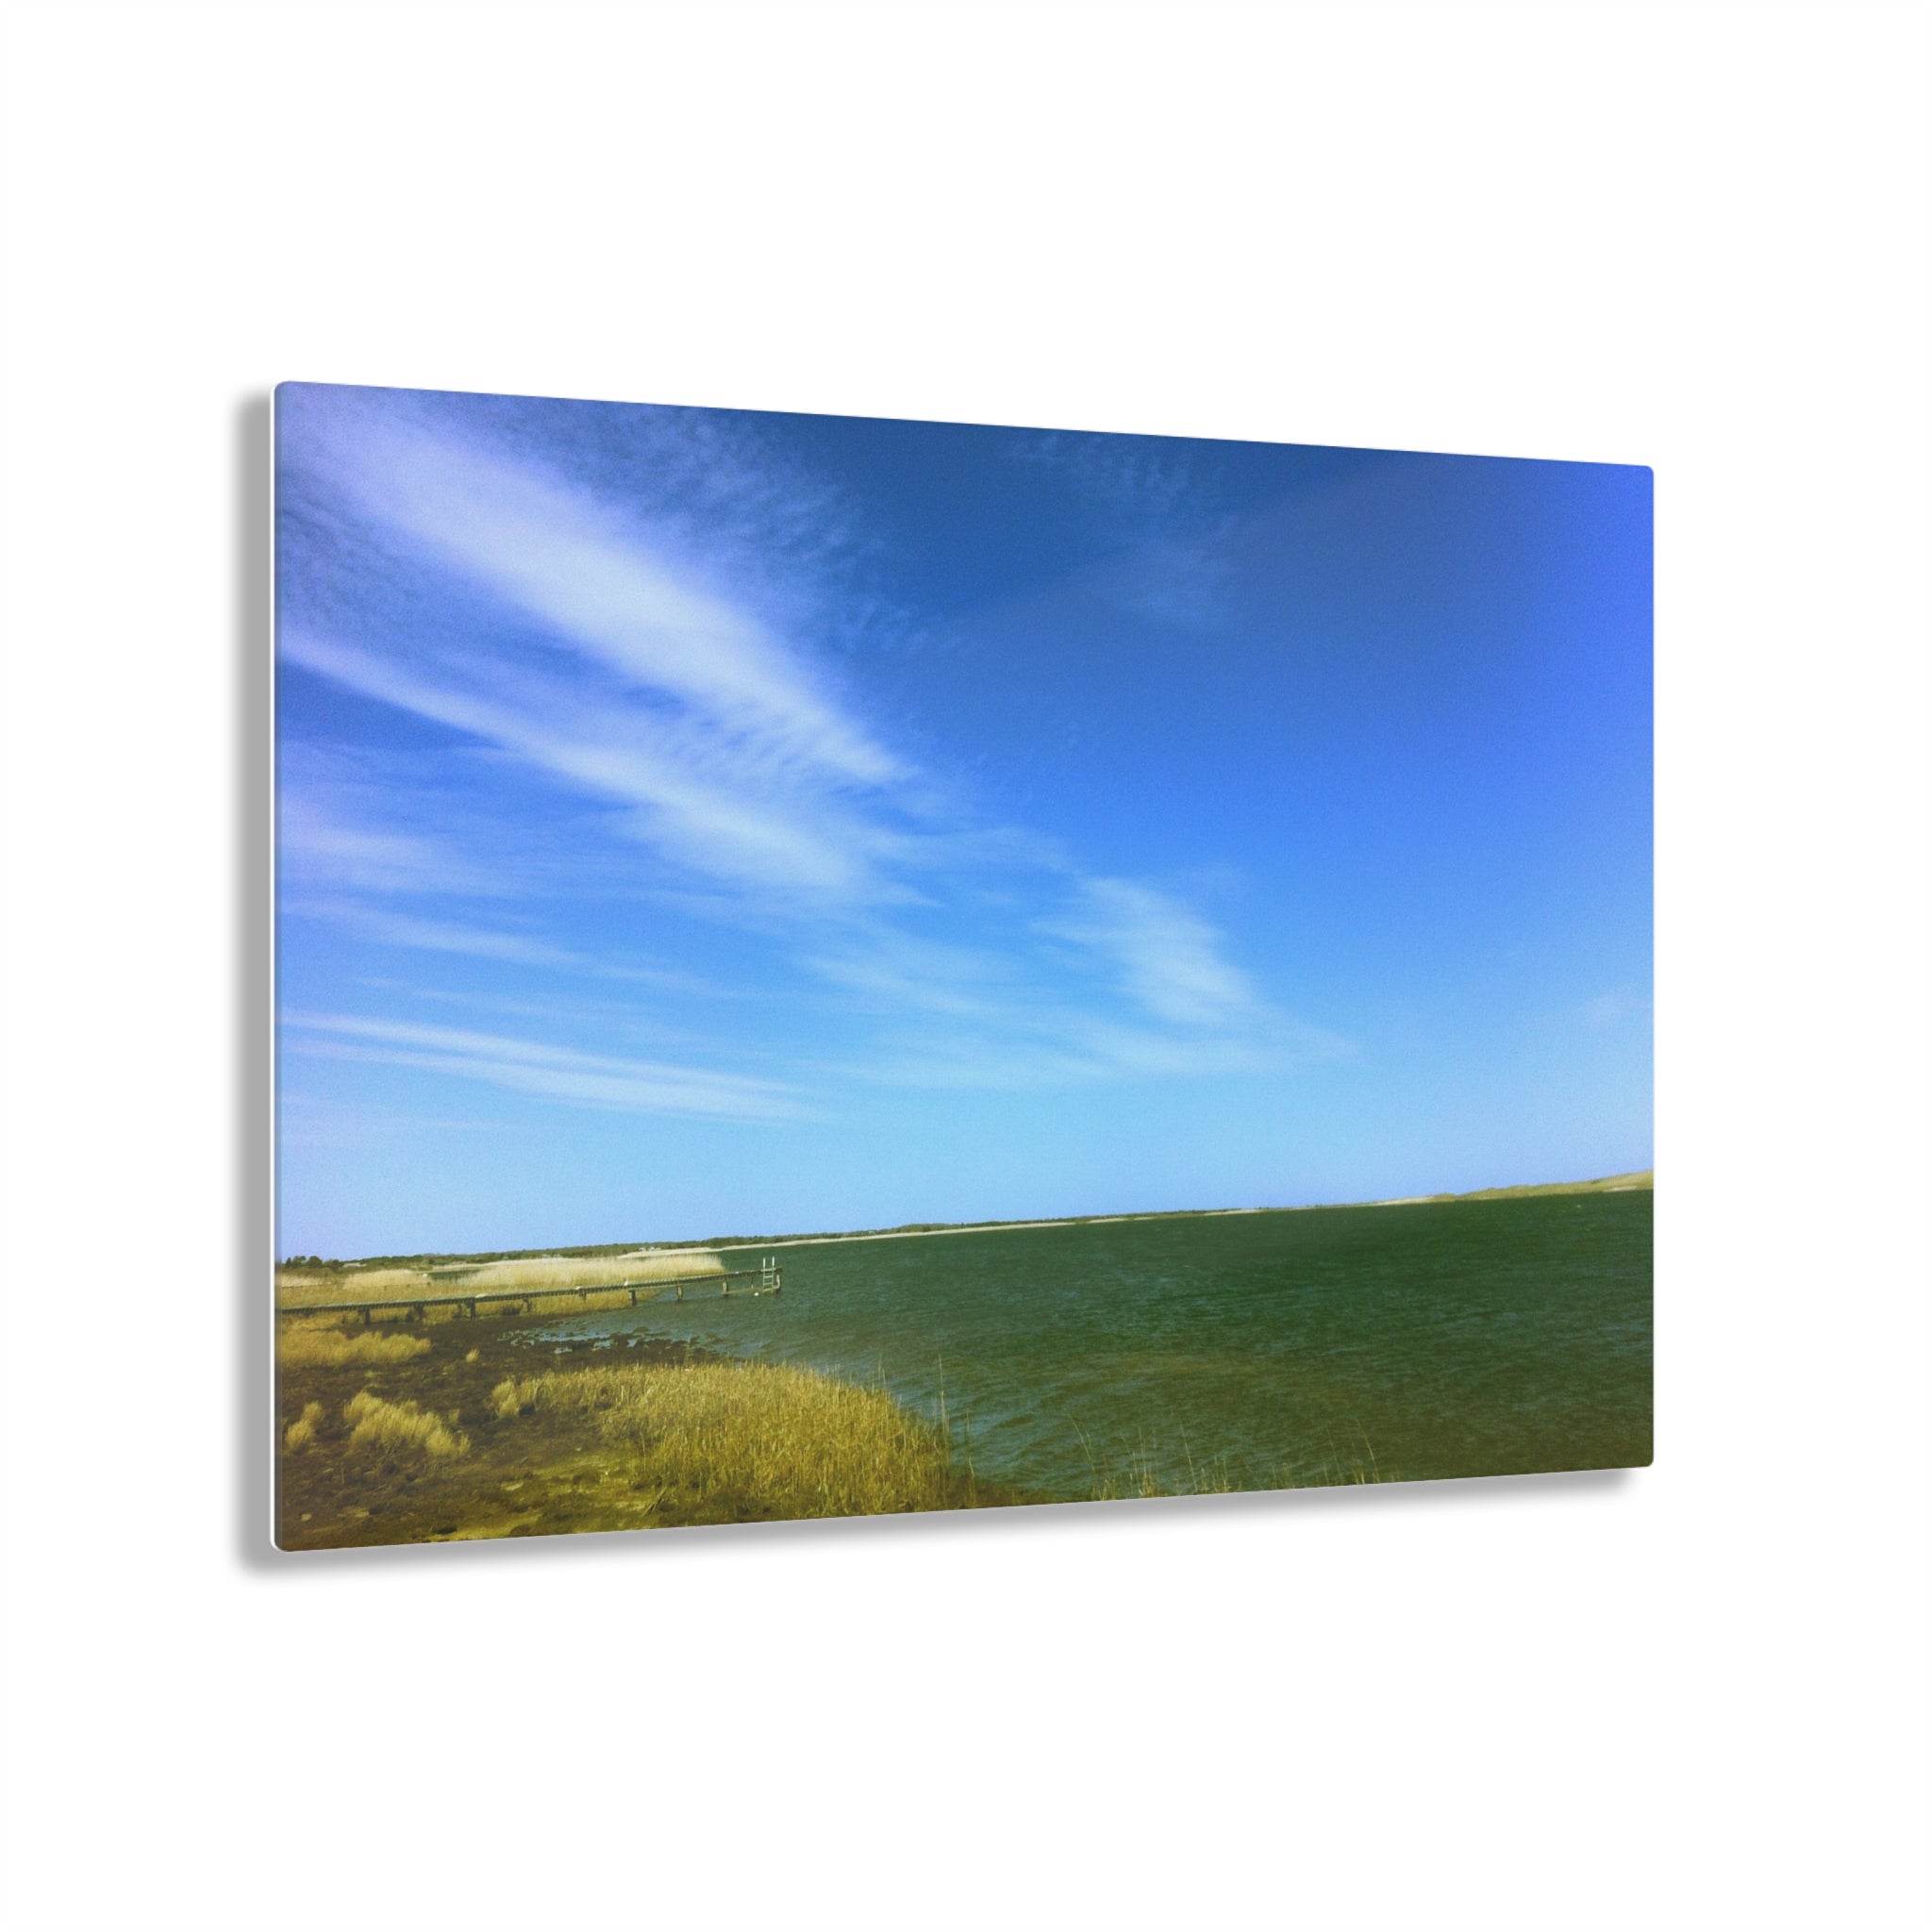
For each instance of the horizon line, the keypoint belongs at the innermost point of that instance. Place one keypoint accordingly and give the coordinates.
(1635, 1180)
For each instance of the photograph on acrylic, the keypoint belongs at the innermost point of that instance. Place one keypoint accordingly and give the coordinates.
(833, 967)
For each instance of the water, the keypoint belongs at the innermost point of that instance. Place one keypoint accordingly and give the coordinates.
(1245, 1351)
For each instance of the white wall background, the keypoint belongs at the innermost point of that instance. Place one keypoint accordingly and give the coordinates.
(1694, 236)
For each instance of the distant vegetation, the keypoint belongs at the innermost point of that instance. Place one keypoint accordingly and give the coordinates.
(542, 1275)
(567, 1270)
(1611, 1184)
(434, 1262)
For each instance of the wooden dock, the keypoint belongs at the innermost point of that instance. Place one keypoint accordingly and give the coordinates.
(769, 1279)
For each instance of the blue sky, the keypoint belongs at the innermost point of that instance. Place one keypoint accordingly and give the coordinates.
(696, 821)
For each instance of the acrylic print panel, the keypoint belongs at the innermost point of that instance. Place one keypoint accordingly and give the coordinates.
(833, 967)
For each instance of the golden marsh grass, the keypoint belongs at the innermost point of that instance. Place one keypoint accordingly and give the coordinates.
(349, 1284)
(301, 1432)
(565, 1272)
(784, 1440)
(312, 1346)
(401, 1426)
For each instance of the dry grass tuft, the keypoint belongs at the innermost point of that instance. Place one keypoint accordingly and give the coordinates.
(301, 1433)
(513, 1399)
(401, 1426)
(756, 1438)
(307, 1347)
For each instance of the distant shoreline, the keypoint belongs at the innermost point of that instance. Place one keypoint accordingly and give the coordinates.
(1641, 1180)
(1608, 1184)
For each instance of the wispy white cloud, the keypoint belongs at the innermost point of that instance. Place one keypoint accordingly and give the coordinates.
(701, 799)
(1026, 1049)
(1006, 1016)
(565, 558)
(551, 1073)
(347, 831)
(1145, 477)
(390, 928)
(1168, 557)
(450, 936)
(1167, 957)
(1180, 582)
(316, 845)
(1611, 1008)
(890, 971)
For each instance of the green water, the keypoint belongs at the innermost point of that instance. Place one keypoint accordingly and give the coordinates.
(1243, 1351)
